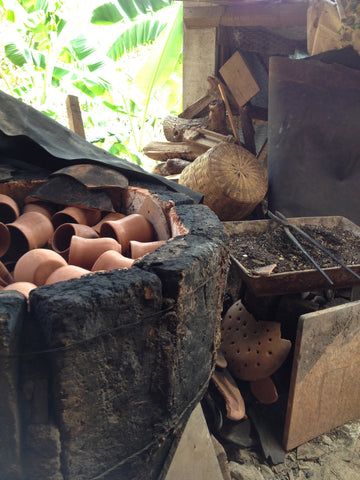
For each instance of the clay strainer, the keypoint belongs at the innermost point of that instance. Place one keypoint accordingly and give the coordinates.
(253, 349)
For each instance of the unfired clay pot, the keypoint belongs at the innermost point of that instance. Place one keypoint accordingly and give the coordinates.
(36, 265)
(76, 215)
(110, 260)
(139, 249)
(66, 273)
(62, 236)
(22, 287)
(4, 239)
(131, 227)
(9, 210)
(85, 251)
(109, 216)
(31, 230)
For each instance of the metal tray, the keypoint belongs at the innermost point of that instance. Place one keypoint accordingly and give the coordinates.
(293, 282)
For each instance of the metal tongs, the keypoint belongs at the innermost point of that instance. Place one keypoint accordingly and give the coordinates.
(282, 220)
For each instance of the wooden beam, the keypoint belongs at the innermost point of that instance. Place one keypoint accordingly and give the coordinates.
(247, 14)
(74, 115)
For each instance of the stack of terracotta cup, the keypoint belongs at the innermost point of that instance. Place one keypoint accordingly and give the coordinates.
(44, 245)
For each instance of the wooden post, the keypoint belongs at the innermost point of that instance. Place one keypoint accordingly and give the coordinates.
(74, 115)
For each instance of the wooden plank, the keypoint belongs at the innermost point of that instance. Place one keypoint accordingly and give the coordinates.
(195, 456)
(74, 115)
(247, 14)
(325, 382)
(239, 79)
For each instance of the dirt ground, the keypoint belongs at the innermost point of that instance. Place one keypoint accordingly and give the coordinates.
(331, 456)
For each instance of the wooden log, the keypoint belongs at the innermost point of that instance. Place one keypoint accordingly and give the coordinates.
(202, 106)
(217, 118)
(174, 127)
(160, 169)
(161, 151)
(176, 165)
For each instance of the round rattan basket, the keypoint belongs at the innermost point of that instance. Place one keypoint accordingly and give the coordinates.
(232, 180)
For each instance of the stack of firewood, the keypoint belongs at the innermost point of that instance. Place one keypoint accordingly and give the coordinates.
(218, 116)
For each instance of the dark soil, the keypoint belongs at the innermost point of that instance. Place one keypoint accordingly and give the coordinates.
(254, 250)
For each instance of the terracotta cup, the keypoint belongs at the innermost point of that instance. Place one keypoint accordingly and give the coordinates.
(62, 236)
(139, 249)
(131, 227)
(9, 210)
(110, 260)
(22, 287)
(36, 265)
(5, 239)
(85, 251)
(5, 276)
(31, 230)
(76, 215)
(47, 209)
(109, 216)
(65, 273)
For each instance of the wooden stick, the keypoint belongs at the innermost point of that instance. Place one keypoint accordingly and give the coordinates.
(231, 118)
(74, 114)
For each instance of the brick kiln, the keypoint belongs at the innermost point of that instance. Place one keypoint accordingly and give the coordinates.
(99, 374)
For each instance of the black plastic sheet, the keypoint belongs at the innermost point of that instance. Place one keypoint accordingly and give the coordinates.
(28, 135)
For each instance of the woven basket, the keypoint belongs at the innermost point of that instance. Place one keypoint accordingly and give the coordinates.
(232, 180)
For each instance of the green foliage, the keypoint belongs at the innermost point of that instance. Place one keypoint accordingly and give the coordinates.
(58, 44)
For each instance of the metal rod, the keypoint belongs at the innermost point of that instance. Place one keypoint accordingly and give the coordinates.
(282, 219)
(298, 244)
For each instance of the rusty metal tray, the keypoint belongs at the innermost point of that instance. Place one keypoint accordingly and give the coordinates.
(298, 281)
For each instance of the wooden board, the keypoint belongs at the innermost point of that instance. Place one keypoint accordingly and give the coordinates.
(74, 114)
(270, 14)
(239, 79)
(325, 382)
(195, 456)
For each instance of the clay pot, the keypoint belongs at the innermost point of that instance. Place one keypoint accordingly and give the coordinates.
(47, 209)
(109, 216)
(9, 210)
(5, 276)
(151, 209)
(4, 239)
(67, 272)
(31, 230)
(264, 391)
(62, 236)
(85, 251)
(131, 227)
(110, 260)
(76, 215)
(36, 265)
(22, 287)
(139, 249)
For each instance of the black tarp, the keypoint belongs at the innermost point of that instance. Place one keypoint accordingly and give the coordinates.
(28, 135)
